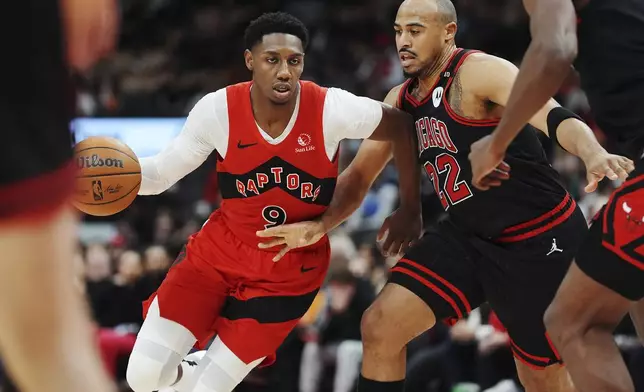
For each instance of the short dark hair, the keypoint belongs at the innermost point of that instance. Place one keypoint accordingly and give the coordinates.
(275, 22)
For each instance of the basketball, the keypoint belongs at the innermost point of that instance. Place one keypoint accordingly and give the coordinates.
(108, 177)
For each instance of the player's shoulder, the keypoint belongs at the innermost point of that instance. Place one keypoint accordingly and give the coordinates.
(211, 100)
(477, 63)
(393, 96)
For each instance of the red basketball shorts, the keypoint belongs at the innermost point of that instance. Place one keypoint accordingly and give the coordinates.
(220, 285)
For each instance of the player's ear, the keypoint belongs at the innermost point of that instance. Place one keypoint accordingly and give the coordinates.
(248, 59)
(450, 31)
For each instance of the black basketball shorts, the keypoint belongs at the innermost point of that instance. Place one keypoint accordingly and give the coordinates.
(613, 252)
(519, 276)
(36, 106)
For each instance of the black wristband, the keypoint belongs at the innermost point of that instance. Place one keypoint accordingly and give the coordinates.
(555, 117)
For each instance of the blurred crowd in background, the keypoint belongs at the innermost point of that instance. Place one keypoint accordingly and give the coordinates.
(173, 52)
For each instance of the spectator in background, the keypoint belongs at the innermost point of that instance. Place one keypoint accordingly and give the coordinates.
(128, 293)
(338, 339)
(98, 273)
(157, 264)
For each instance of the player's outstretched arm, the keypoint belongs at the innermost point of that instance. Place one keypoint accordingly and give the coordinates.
(546, 64)
(394, 135)
(544, 67)
(374, 153)
(558, 123)
(186, 152)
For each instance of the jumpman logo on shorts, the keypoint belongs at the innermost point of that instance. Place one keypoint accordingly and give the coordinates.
(554, 248)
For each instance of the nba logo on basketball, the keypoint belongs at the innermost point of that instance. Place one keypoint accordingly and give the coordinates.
(304, 140)
(97, 190)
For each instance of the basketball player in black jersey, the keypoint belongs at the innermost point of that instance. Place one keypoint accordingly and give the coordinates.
(607, 39)
(46, 341)
(510, 246)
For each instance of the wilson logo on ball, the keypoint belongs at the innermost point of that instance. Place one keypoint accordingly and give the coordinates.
(86, 162)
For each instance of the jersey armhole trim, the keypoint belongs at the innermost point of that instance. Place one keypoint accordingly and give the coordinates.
(401, 93)
(470, 122)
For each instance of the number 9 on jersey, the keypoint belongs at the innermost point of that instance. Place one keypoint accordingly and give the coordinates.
(274, 216)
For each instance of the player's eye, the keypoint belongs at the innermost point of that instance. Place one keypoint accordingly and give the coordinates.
(398, 32)
(272, 60)
(294, 61)
(414, 32)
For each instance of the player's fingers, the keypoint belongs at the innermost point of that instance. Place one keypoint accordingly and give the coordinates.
(503, 166)
(383, 230)
(405, 246)
(272, 231)
(480, 185)
(618, 169)
(394, 248)
(281, 254)
(489, 181)
(627, 164)
(593, 181)
(608, 172)
(272, 243)
(386, 245)
(498, 174)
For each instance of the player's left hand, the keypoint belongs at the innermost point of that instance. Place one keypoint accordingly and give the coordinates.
(608, 165)
(292, 236)
(488, 167)
(400, 230)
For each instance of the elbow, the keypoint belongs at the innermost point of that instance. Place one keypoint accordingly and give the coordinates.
(397, 125)
(560, 55)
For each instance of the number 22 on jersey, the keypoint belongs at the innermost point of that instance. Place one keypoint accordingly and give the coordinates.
(453, 190)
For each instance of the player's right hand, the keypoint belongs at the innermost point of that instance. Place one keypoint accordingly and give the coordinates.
(602, 165)
(91, 28)
(292, 236)
(399, 231)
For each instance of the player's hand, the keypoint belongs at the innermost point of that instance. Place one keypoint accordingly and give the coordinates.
(399, 231)
(91, 29)
(608, 165)
(292, 236)
(488, 167)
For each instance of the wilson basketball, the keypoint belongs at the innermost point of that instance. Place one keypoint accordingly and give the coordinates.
(108, 177)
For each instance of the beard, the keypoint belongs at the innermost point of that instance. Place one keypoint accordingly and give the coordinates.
(419, 72)
(411, 75)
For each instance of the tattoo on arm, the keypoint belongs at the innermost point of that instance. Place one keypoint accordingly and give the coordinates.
(455, 95)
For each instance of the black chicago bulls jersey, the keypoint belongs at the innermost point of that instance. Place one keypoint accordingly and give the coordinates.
(532, 199)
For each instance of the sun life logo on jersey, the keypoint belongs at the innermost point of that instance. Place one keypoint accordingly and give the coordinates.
(437, 95)
(304, 140)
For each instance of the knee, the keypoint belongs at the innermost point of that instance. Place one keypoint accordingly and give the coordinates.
(558, 323)
(374, 327)
(147, 374)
